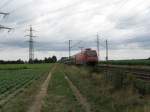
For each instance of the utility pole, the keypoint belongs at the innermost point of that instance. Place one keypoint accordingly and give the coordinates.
(31, 45)
(3, 27)
(81, 48)
(98, 46)
(106, 50)
(69, 49)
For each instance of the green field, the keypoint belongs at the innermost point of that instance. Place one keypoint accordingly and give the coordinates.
(17, 80)
(127, 62)
(104, 92)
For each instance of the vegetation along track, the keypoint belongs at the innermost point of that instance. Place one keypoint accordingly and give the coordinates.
(109, 95)
(141, 73)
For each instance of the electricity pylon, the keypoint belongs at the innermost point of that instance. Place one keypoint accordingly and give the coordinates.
(31, 45)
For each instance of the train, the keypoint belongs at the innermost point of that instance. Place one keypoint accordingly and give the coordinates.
(85, 57)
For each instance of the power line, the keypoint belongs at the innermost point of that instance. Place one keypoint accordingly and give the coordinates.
(4, 13)
(31, 45)
(71, 46)
(4, 27)
(76, 44)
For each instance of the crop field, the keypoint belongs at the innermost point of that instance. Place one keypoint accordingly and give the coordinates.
(14, 79)
(128, 62)
(70, 89)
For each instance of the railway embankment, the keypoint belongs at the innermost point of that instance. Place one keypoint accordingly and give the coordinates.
(110, 91)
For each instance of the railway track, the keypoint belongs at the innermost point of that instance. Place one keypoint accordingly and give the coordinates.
(140, 73)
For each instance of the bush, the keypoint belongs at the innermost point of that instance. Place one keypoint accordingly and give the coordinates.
(142, 86)
(118, 79)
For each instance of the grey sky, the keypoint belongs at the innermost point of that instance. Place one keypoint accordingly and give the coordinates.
(125, 23)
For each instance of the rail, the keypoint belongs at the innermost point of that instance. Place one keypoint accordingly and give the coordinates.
(141, 73)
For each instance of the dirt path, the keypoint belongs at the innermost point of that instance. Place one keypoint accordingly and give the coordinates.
(79, 96)
(37, 104)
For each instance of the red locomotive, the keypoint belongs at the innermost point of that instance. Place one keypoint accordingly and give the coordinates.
(86, 57)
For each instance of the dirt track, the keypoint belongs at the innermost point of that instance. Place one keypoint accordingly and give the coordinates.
(36, 107)
(37, 104)
(80, 98)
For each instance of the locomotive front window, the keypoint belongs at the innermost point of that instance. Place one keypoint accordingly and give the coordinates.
(91, 53)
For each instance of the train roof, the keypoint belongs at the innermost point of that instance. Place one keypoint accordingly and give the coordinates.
(85, 50)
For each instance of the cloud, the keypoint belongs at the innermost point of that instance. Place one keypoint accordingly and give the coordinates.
(124, 23)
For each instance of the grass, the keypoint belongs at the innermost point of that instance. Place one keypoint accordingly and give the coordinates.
(15, 78)
(103, 96)
(60, 97)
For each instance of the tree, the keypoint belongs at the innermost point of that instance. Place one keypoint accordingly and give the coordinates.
(46, 60)
(19, 61)
(54, 58)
